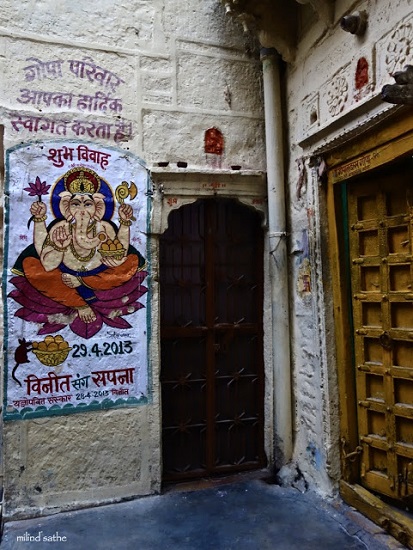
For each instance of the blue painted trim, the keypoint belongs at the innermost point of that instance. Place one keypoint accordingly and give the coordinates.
(41, 412)
(149, 285)
(4, 278)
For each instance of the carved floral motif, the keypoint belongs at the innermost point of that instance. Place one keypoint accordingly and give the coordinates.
(398, 48)
(337, 95)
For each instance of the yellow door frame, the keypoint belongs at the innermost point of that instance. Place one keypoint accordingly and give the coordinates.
(390, 140)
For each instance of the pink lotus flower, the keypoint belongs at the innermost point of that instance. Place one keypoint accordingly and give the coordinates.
(110, 307)
(38, 188)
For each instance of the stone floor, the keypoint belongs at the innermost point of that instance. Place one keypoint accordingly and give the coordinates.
(247, 515)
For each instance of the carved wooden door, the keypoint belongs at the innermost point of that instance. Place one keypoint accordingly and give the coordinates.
(380, 212)
(211, 266)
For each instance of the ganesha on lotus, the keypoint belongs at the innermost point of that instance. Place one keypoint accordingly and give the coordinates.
(81, 270)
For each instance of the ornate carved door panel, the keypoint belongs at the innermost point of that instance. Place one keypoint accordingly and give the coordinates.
(211, 283)
(380, 212)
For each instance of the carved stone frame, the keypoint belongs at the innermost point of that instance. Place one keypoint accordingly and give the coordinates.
(171, 190)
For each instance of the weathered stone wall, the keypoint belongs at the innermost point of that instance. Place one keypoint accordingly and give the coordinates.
(176, 69)
(333, 87)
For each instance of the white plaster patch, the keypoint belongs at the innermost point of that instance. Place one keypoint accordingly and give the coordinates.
(218, 84)
(85, 21)
(181, 18)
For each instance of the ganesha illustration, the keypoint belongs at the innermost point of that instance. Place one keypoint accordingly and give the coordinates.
(81, 270)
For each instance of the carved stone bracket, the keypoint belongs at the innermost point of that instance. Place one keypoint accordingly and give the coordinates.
(324, 9)
(402, 91)
(271, 21)
(175, 189)
(274, 22)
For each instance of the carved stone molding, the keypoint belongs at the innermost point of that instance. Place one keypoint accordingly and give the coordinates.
(175, 189)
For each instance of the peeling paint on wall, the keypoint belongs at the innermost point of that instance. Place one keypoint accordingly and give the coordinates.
(304, 269)
(315, 455)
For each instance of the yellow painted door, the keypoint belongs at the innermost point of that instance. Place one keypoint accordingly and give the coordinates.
(380, 216)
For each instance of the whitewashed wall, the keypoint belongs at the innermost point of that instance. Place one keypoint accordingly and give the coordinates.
(176, 69)
(324, 104)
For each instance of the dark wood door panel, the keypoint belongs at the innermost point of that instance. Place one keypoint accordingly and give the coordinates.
(211, 340)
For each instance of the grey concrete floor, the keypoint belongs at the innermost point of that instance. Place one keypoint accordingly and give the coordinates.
(248, 515)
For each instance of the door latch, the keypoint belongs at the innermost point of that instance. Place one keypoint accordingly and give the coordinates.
(353, 455)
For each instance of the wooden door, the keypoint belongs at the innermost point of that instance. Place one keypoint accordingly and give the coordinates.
(380, 216)
(211, 266)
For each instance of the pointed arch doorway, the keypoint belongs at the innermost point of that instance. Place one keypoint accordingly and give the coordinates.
(212, 375)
